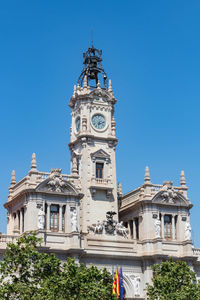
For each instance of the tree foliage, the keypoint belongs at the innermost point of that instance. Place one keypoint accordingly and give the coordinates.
(27, 274)
(173, 281)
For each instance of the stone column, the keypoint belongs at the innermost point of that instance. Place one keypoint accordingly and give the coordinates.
(18, 220)
(67, 219)
(15, 221)
(60, 217)
(21, 220)
(129, 228)
(134, 233)
(162, 226)
(48, 217)
(178, 220)
(173, 227)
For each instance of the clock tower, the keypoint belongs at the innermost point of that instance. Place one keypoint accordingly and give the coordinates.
(93, 141)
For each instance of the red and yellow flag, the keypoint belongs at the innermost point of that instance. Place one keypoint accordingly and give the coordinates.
(114, 285)
(117, 283)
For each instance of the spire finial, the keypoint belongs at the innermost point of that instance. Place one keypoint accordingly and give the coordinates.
(119, 190)
(182, 179)
(110, 86)
(85, 82)
(147, 174)
(74, 93)
(13, 178)
(33, 162)
(98, 85)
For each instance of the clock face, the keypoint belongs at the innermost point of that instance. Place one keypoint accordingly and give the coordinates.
(98, 121)
(78, 122)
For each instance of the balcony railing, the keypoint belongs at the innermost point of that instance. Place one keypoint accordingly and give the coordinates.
(196, 251)
(101, 181)
(4, 238)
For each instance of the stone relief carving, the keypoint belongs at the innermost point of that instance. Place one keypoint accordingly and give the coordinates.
(74, 165)
(101, 93)
(56, 182)
(187, 231)
(73, 219)
(121, 229)
(157, 225)
(169, 195)
(137, 285)
(41, 215)
(97, 228)
(110, 226)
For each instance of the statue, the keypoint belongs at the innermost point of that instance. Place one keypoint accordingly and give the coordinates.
(74, 165)
(98, 228)
(137, 285)
(74, 220)
(187, 231)
(41, 215)
(121, 229)
(157, 225)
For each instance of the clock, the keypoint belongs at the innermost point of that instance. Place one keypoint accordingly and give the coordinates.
(98, 121)
(78, 122)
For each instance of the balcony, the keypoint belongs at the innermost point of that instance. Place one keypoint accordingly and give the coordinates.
(101, 184)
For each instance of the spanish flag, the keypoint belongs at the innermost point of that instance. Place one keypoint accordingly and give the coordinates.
(117, 283)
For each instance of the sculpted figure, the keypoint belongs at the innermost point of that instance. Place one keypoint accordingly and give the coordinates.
(41, 215)
(74, 220)
(157, 225)
(137, 286)
(98, 228)
(121, 229)
(187, 231)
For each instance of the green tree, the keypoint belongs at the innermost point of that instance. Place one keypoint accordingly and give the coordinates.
(173, 280)
(27, 274)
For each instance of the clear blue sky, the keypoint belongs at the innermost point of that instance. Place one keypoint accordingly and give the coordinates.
(151, 51)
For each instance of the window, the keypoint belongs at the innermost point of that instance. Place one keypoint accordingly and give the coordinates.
(168, 226)
(99, 170)
(54, 219)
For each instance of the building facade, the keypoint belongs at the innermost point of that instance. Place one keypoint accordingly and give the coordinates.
(85, 214)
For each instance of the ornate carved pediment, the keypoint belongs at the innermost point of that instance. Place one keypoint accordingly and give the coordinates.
(100, 154)
(55, 183)
(168, 195)
(103, 94)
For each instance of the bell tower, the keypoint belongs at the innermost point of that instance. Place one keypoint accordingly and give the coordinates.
(93, 140)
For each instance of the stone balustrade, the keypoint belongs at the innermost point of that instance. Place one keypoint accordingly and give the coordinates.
(4, 238)
(196, 251)
(31, 181)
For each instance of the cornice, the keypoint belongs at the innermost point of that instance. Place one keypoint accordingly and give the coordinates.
(87, 137)
(17, 198)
